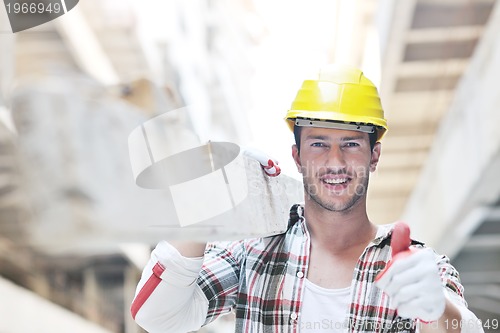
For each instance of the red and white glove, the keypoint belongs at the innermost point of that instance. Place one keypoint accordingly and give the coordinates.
(269, 165)
(411, 279)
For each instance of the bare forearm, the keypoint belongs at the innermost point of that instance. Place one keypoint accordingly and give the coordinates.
(189, 249)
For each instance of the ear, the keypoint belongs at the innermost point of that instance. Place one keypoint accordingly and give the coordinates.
(296, 158)
(375, 156)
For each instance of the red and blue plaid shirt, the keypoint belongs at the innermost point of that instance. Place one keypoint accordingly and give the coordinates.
(262, 281)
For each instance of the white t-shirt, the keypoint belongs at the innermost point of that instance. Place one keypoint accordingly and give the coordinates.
(324, 310)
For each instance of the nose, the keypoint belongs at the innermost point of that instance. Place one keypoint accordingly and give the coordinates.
(335, 158)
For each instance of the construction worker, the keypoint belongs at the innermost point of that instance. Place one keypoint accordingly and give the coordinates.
(321, 274)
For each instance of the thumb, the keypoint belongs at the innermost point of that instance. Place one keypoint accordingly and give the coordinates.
(400, 240)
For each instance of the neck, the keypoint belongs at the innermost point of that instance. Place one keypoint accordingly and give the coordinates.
(339, 231)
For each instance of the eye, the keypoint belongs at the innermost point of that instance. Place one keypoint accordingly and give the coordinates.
(351, 144)
(318, 144)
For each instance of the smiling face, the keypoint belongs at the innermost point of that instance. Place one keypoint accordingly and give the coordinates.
(335, 165)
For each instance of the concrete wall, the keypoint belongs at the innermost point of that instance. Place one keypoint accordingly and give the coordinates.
(461, 178)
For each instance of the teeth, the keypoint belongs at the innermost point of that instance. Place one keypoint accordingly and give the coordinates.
(335, 181)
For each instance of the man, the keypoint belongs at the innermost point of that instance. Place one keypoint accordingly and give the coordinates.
(318, 276)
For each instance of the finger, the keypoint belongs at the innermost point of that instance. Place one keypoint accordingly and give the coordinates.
(421, 308)
(401, 280)
(269, 164)
(409, 270)
(415, 261)
(407, 294)
(396, 268)
(423, 274)
(383, 281)
(272, 169)
(400, 240)
(418, 307)
(420, 301)
(416, 257)
(410, 310)
(429, 291)
(258, 155)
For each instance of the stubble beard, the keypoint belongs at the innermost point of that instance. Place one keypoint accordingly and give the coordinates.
(313, 193)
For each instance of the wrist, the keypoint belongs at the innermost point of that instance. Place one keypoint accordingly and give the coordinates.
(448, 322)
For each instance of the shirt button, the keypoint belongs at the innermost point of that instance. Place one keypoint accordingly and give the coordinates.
(300, 275)
(293, 316)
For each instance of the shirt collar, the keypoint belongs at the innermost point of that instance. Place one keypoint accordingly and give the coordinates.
(296, 214)
(383, 231)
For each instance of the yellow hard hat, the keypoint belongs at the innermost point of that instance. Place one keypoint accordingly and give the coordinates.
(342, 97)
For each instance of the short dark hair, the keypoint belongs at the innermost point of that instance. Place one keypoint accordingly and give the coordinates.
(297, 130)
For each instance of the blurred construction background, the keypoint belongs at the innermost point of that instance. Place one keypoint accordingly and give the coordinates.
(74, 226)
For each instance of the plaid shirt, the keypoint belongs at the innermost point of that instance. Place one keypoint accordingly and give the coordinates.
(262, 280)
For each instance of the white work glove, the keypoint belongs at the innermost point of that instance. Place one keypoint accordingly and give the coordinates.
(269, 165)
(412, 282)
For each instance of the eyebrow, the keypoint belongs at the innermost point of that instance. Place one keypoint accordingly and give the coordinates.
(351, 138)
(317, 137)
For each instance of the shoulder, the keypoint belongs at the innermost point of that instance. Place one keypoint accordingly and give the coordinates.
(251, 247)
(242, 249)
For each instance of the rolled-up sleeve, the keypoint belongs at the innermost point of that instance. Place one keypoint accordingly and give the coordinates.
(220, 277)
(454, 292)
